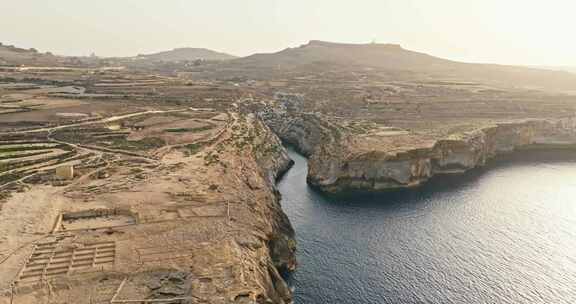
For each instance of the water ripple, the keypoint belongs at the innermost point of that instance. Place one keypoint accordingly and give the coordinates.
(506, 234)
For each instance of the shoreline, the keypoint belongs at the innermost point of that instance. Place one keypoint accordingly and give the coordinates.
(340, 161)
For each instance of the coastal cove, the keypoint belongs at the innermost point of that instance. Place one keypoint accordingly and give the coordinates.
(503, 233)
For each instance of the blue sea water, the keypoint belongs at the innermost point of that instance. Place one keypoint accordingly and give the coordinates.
(505, 233)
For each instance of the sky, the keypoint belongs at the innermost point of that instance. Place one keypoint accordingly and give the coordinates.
(526, 32)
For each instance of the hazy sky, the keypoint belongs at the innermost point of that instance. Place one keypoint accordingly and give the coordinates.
(536, 32)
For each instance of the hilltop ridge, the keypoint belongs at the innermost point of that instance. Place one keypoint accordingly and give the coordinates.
(187, 54)
(398, 63)
(390, 56)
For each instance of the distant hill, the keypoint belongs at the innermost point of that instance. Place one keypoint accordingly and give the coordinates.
(389, 56)
(398, 63)
(187, 54)
(11, 55)
(14, 56)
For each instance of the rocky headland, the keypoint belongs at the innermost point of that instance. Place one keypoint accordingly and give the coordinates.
(385, 158)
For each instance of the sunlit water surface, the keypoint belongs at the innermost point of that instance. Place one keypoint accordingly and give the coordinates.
(502, 234)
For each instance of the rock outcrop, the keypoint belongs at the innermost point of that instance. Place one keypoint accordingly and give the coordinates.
(274, 161)
(384, 169)
(340, 160)
(261, 160)
(194, 222)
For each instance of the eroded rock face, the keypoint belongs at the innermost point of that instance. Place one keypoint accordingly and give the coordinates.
(411, 167)
(271, 161)
(340, 161)
(205, 225)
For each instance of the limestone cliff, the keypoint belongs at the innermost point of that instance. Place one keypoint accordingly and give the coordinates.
(261, 160)
(274, 161)
(197, 221)
(382, 169)
(340, 160)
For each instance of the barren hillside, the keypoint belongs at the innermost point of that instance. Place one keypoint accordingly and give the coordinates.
(400, 63)
(187, 54)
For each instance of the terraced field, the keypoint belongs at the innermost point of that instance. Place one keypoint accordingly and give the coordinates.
(21, 159)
